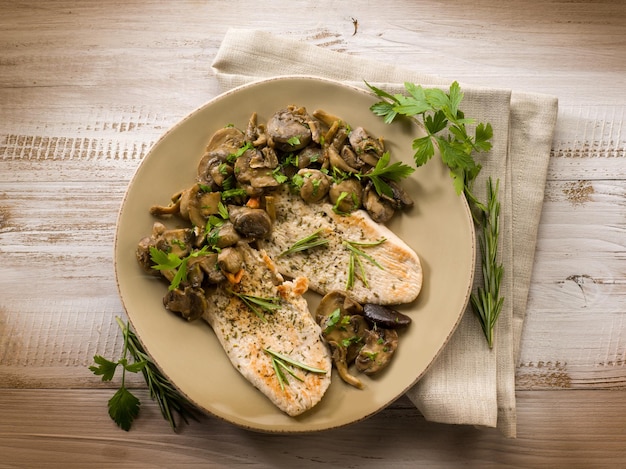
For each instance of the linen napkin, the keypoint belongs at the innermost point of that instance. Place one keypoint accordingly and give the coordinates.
(468, 383)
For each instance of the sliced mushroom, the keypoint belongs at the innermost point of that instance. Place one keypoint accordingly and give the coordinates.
(216, 173)
(223, 236)
(203, 269)
(178, 241)
(336, 161)
(251, 169)
(230, 260)
(287, 129)
(255, 132)
(379, 348)
(383, 316)
(142, 253)
(346, 196)
(337, 299)
(223, 143)
(351, 158)
(196, 205)
(338, 355)
(315, 185)
(400, 196)
(309, 156)
(344, 329)
(362, 143)
(251, 222)
(265, 158)
(318, 129)
(189, 303)
(379, 208)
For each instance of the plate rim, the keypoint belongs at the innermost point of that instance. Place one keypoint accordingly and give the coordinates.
(224, 95)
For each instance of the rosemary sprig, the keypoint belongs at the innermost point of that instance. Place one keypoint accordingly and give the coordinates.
(308, 242)
(487, 302)
(258, 304)
(124, 406)
(280, 362)
(355, 261)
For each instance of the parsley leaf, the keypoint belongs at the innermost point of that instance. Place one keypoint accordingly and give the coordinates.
(123, 408)
(163, 260)
(383, 170)
(439, 111)
(105, 368)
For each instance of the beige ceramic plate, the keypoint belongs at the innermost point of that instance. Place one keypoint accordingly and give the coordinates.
(439, 228)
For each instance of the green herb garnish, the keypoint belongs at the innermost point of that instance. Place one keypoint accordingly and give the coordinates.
(170, 261)
(487, 302)
(234, 192)
(259, 305)
(308, 242)
(280, 362)
(124, 406)
(383, 171)
(355, 261)
(294, 140)
(439, 111)
(336, 320)
(446, 130)
(233, 156)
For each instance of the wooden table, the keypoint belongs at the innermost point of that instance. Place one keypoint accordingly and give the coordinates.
(87, 87)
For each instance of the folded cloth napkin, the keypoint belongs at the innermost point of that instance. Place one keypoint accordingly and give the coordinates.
(468, 383)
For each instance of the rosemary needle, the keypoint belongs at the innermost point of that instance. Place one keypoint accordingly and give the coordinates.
(308, 242)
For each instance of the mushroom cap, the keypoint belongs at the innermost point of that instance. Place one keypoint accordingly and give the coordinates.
(288, 130)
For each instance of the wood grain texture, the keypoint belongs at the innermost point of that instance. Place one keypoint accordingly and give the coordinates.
(86, 88)
(553, 437)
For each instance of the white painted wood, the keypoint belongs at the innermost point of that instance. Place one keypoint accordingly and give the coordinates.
(87, 87)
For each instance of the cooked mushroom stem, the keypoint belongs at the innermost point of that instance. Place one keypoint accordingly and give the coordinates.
(325, 117)
(341, 364)
(172, 209)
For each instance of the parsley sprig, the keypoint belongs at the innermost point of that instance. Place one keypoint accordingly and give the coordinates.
(384, 171)
(280, 362)
(437, 112)
(446, 129)
(169, 261)
(124, 405)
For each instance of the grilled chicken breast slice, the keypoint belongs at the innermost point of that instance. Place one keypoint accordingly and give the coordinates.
(397, 279)
(290, 330)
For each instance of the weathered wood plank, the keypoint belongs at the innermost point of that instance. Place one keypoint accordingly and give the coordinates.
(87, 87)
(72, 429)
